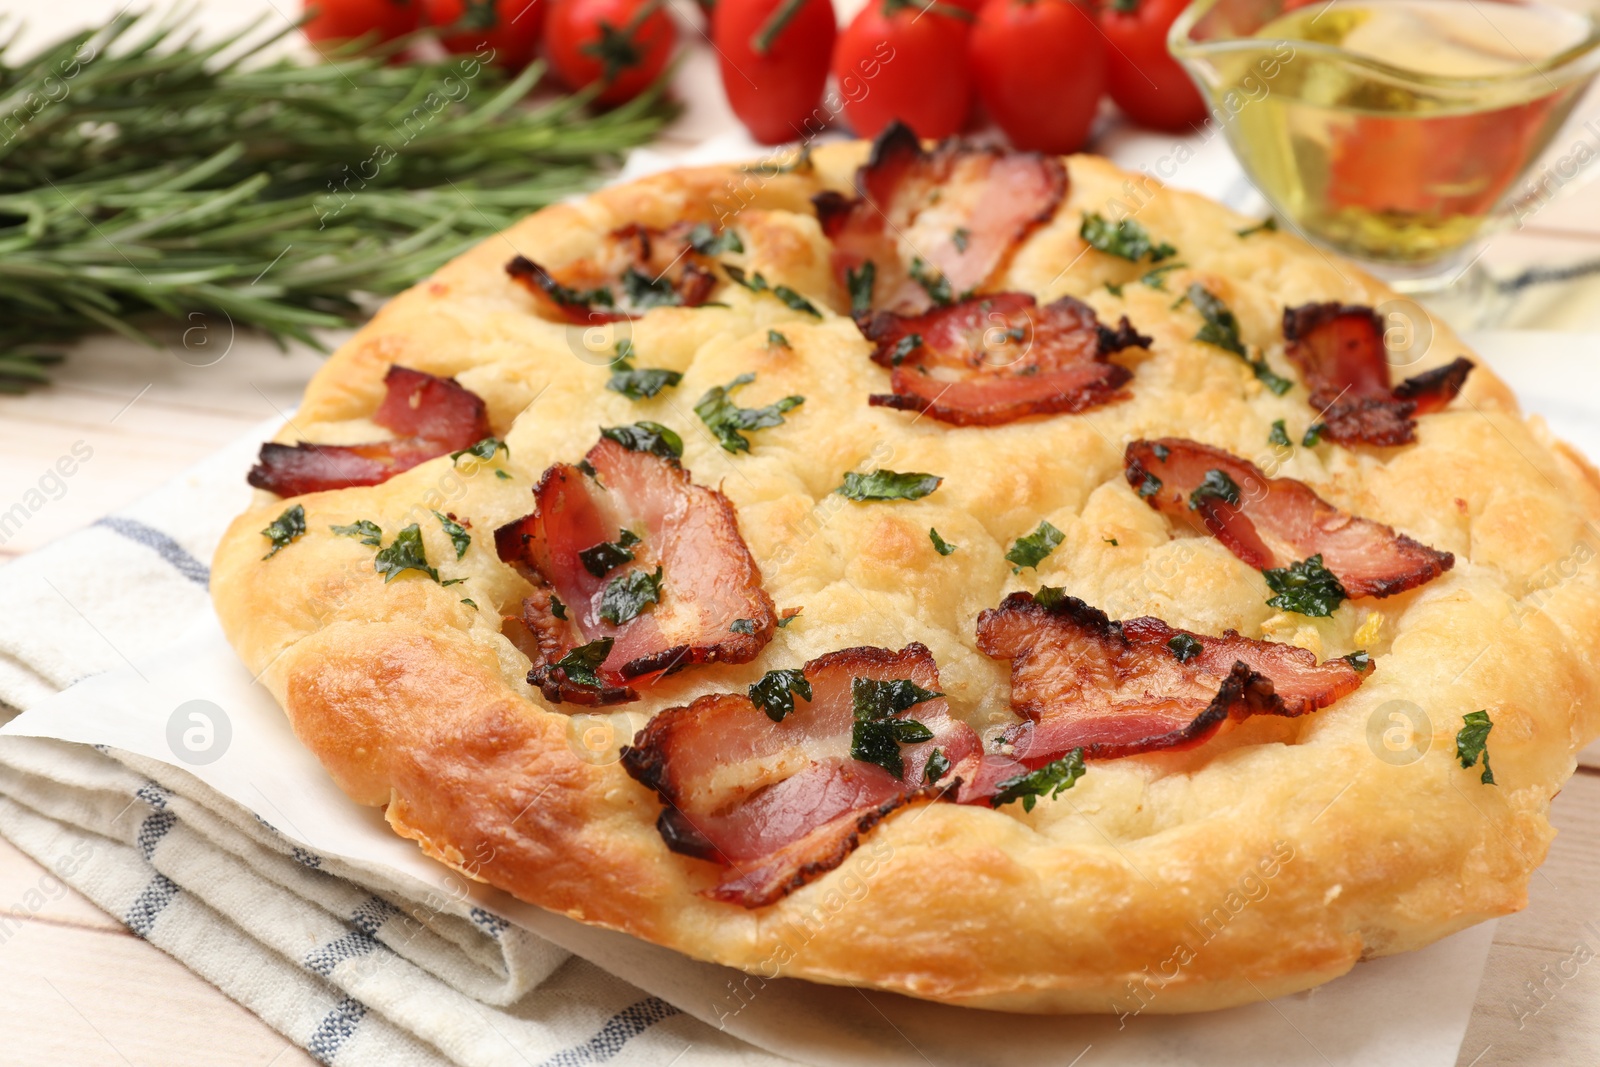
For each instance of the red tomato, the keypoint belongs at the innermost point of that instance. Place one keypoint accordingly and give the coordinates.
(337, 21)
(1040, 66)
(774, 56)
(510, 27)
(623, 43)
(899, 59)
(1146, 82)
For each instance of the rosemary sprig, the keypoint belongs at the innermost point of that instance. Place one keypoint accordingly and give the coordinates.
(144, 176)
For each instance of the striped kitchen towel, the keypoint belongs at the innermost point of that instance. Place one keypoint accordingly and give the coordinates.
(355, 973)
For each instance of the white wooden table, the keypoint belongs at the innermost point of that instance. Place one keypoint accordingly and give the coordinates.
(78, 988)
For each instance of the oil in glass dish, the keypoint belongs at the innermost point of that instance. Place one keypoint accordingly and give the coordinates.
(1403, 126)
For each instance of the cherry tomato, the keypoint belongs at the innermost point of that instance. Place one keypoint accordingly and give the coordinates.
(906, 60)
(624, 44)
(337, 21)
(1040, 66)
(510, 27)
(1149, 85)
(774, 56)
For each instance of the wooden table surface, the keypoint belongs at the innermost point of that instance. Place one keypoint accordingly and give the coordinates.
(78, 988)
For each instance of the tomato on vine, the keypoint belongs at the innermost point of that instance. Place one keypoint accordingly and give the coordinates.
(622, 44)
(774, 56)
(1040, 66)
(1145, 81)
(334, 22)
(906, 60)
(510, 27)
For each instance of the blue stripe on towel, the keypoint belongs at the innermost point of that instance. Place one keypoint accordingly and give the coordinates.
(324, 958)
(152, 830)
(372, 914)
(621, 1028)
(151, 902)
(161, 544)
(335, 1029)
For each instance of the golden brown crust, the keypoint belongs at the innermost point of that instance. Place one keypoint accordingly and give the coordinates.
(1266, 861)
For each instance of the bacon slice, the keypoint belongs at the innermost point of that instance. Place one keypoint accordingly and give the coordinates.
(781, 803)
(636, 269)
(1118, 689)
(429, 417)
(959, 208)
(994, 359)
(708, 579)
(1340, 352)
(1278, 521)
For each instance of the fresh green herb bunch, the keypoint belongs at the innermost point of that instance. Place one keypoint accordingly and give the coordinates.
(147, 176)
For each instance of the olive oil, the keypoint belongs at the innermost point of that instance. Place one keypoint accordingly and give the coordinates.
(1397, 127)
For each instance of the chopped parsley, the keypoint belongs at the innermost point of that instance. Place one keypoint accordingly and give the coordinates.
(903, 348)
(1149, 487)
(1161, 451)
(484, 449)
(936, 285)
(743, 626)
(1215, 484)
(582, 662)
(960, 236)
(470, 603)
(502, 475)
(777, 340)
(596, 297)
(1221, 328)
(776, 691)
(644, 292)
(457, 533)
(1112, 541)
(937, 767)
(789, 616)
(725, 419)
(1113, 288)
(1126, 239)
(651, 437)
(1360, 660)
(364, 530)
(600, 560)
(1306, 587)
(641, 384)
(1185, 648)
(878, 731)
(1029, 551)
(1156, 277)
(406, 553)
(557, 608)
(1313, 434)
(1051, 780)
(1266, 225)
(711, 242)
(1050, 597)
(1472, 743)
(285, 530)
(888, 485)
(859, 280)
(940, 545)
(757, 284)
(1279, 434)
(626, 597)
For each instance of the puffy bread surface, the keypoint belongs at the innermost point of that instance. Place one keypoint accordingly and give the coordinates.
(1268, 860)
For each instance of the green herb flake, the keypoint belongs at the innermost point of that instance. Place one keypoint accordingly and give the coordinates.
(502, 475)
(484, 449)
(285, 530)
(406, 553)
(726, 419)
(859, 281)
(1276, 383)
(557, 608)
(1221, 327)
(1156, 277)
(1185, 647)
(1279, 434)
(1112, 541)
(936, 285)
(903, 348)
(600, 560)
(1266, 225)
(1472, 743)
(1031, 550)
(1313, 434)
(364, 530)
(651, 437)
(878, 731)
(757, 284)
(457, 533)
(776, 691)
(1113, 288)
(940, 545)
(1307, 588)
(628, 596)
(1127, 239)
(777, 340)
(1149, 487)
(582, 663)
(742, 626)
(642, 384)
(788, 617)
(644, 292)
(706, 240)
(1051, 780)
(1360, 660)
(1050, 597)
(1216, 484)
(888, 485)
(937, 767)
(959, 237)
(469, 602)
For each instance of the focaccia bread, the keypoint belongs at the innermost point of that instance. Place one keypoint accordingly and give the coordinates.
(548, 652)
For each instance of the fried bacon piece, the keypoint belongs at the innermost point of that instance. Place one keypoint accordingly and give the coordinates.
(993, 359)
(1122, 688)
(950, 217)
(1272, 522)
(1340, 352)
(429, 417)
(595, 543)
(781, 803)
(636, 269)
